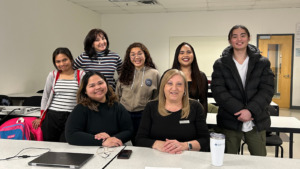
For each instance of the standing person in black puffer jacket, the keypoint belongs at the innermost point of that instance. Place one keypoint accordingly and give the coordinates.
(243, 86)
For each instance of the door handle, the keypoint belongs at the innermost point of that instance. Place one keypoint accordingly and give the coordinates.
(286, 76)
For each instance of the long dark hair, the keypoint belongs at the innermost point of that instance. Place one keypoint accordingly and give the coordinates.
(127, 69)
(199, 84)
(90, 39)
(83, 98)
(64, 51)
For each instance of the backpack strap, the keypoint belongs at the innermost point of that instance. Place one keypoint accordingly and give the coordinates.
(57, 76)
(78, 76)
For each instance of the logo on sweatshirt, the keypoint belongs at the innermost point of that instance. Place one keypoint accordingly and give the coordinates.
(148, 82)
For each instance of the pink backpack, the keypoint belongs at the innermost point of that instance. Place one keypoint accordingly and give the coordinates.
(20, 129)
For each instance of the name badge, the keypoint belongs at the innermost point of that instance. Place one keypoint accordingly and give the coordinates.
(184, 122)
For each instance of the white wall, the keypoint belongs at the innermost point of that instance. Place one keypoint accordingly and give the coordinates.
(30, 30)
(155, 31)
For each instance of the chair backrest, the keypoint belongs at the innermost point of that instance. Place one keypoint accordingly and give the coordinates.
(273, 111)
(33, 101)
(5, 101)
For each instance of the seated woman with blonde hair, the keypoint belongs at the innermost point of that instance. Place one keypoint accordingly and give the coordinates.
(173, 123)
(98, 119)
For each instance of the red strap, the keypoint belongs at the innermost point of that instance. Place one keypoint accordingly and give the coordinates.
(78, 76)
(57, 75)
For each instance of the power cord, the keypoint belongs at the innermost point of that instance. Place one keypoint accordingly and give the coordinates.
(3, 119)
(25, 156)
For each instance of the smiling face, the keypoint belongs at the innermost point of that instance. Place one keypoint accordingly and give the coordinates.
(239, 39)
(186, 56)
(100, 43)
(137, 57)
(174, 89)
(96, 88)
(63, 63)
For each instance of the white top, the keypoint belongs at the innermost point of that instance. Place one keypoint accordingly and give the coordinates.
(242, 69)
(64, 98)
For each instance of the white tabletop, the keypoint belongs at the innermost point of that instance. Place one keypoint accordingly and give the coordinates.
(147, 157)
(12, 147)
(140, 158)
(277, 122)
(212, 101)
(22, 111)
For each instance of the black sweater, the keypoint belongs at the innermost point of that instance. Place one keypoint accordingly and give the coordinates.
(154, 127)
(83, 124)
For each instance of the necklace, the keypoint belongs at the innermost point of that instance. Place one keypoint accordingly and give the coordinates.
(99, 61)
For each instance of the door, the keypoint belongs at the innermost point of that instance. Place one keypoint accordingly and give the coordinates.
(278, 48)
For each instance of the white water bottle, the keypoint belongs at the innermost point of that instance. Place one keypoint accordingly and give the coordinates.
(217, 148)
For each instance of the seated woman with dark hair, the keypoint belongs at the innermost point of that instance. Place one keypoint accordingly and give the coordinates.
(173, 123)
(98, 119)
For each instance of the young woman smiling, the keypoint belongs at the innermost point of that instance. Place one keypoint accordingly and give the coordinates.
(59, 96)
(138, 82)
(186, 61)
(98, 119)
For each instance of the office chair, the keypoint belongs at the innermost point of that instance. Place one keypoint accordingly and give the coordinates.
(5, 101)
(271, 139)
(33, 101)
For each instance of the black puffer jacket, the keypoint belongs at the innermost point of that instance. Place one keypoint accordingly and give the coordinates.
(228, 91)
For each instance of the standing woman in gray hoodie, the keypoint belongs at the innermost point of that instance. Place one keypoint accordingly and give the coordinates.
(138, 82)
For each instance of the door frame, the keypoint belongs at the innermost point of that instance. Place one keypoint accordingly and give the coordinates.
(292, 61)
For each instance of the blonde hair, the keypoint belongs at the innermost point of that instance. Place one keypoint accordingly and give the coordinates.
(162, 98)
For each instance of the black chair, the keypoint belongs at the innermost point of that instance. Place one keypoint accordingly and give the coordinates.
(33, 101)
(271, 139)
(5, 101)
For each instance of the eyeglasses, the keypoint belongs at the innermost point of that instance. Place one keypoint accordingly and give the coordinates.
(105, 152)
(139, 54)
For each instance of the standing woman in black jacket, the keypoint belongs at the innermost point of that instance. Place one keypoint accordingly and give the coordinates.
(243, 86)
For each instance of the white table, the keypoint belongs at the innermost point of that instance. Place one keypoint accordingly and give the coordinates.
(289, 125)
(212, 101)
(12, 147)
(142, 157)
(28, 111)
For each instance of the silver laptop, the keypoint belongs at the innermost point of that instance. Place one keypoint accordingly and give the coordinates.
(61, 159)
